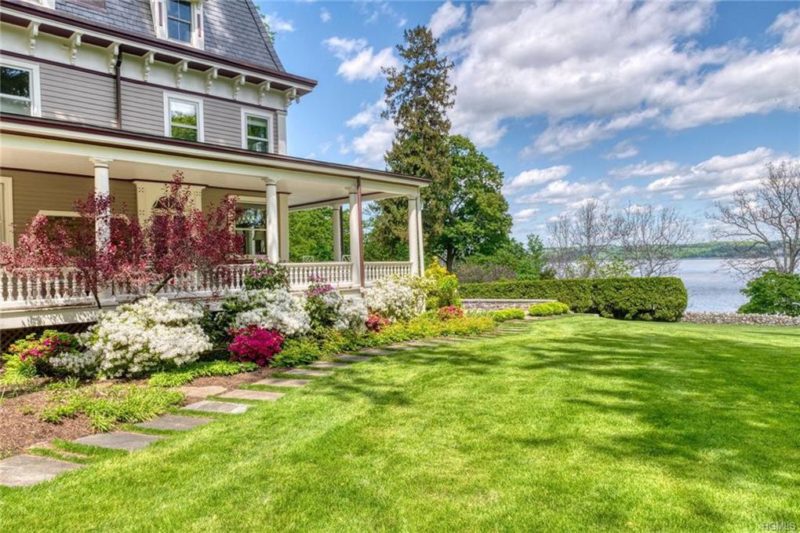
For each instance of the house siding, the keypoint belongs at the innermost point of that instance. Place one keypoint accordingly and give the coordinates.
(77, 96)
(35, 191)
(142, 108)
(222, 123)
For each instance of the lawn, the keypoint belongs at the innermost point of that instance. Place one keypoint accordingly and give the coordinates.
(573, 424)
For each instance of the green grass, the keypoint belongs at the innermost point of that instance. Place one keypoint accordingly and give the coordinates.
(572, 424)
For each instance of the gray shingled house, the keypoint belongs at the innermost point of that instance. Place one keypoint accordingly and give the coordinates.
(116, 95)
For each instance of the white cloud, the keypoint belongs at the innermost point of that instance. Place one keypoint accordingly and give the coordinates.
(278, 24)
(358, 60)
(525, 214)
(719, 176)
(448, 17)
(566, 192)
(623, 150)
(325, 15)
(537, 176)
(369, 147)
(639, 59)
(644, 168)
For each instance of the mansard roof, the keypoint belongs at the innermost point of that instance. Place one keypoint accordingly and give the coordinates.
(233, 28)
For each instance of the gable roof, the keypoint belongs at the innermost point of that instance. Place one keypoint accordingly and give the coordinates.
(232, 28)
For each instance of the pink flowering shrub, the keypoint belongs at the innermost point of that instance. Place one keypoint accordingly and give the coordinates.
(450, 312)
(256, 345)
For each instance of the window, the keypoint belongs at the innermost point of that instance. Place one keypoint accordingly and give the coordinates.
(19, 88)
(184, 118)
(256, 128)
(179, 20)
(251, 223)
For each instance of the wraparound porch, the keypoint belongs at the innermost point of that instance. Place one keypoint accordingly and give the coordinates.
(42, 165)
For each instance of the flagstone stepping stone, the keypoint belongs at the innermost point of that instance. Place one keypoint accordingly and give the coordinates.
(246, 394)
(375, 351)
(210, 406)
(24, 470)
(326, 364)
(422, 344)
(278, 382)
(174, 422)
(307, 372)
(119, 440)
(202, 392)
(352, 358)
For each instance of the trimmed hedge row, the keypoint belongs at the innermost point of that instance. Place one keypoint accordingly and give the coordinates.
(662, 299)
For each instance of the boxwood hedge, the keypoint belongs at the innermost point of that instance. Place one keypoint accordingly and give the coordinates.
(662, 299)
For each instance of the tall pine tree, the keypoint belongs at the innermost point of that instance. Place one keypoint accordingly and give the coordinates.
(417, 97)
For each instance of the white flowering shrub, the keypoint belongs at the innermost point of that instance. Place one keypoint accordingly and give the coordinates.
(152, 333)
(352, 315)
(75, 364)
(276, 309)
(396, 297)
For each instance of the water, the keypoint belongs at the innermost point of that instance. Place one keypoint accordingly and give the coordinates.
(711, 287)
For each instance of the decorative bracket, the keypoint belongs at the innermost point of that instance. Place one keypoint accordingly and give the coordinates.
(149, 59)
(74, 44)
(180, 69)
(211, 75)
(291, 96)
(238, 83)
(113, 52)
(263, 89)
(33, 33)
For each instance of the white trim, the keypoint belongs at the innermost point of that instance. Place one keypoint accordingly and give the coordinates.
(33, 68)
(246, 111)
(52, 213)
(7, 199)
(186, 99)
(49, 4)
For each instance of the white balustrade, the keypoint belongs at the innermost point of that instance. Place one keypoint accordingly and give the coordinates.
(30, 289)
(384, 269)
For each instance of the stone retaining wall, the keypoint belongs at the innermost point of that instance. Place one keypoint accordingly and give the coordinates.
(736, 318)
(493, 304)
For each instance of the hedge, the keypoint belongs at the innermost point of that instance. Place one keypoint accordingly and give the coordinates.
(662, 299)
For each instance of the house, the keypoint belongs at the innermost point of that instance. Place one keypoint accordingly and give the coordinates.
(116, 95)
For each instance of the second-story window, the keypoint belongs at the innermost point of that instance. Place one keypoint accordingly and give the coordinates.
(184, 118)
(256, 131)
(179, 20)
(19, 89)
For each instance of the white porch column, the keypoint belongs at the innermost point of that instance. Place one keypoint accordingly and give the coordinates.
(355, 234)
(413, 235)
(420, 240)
(337, 233)
(283, 225)
(102, 187)
(273, 249)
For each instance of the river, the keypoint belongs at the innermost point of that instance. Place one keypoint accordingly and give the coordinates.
(711, 287)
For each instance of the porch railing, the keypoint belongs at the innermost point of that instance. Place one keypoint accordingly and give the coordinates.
(66, 287)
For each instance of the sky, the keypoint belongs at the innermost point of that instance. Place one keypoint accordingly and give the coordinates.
(668, 104)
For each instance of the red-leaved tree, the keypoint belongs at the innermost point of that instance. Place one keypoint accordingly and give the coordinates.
(184, 240)
(178, 239)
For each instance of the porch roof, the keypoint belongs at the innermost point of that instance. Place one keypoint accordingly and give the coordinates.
(140, 156)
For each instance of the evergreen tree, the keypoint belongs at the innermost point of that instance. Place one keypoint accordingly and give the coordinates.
(417, 97)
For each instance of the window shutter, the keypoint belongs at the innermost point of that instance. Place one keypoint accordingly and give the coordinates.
(159, 9)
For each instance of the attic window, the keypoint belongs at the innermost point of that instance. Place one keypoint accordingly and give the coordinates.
(179, 20)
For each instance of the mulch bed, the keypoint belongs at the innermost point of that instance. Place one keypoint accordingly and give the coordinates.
(21, 428)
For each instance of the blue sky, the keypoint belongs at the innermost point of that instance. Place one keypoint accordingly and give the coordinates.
(670, 104)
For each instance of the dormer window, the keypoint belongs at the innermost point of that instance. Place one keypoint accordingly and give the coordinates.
(179, 20)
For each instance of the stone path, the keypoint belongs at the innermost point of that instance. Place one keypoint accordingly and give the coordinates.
(210, 406)
(246, 394)
(278, 382)
(119, 440)
(24, 470)
(174, 422)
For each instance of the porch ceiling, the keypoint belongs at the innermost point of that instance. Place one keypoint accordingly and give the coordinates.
(309, 183)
